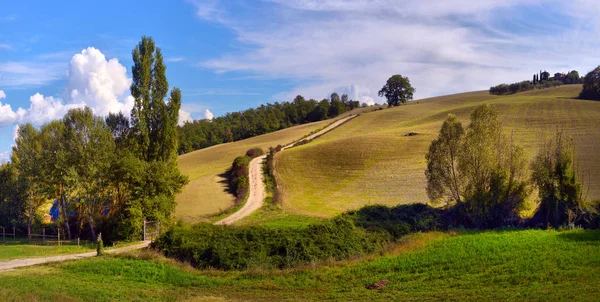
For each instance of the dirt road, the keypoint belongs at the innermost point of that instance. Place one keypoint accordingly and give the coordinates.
(12, 264)
(257, 187)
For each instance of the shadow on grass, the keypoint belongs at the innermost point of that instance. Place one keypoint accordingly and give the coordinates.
(225, 181)
(581, 236)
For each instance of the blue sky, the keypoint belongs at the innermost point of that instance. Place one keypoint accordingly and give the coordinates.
(232, 55)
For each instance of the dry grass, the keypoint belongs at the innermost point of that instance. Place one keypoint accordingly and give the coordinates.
(370, 161)
(207, 191)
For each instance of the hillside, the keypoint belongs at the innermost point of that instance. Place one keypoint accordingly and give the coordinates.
(207, 191)
(369, 160)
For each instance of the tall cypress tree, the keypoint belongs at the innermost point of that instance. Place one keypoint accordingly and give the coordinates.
(154, 135)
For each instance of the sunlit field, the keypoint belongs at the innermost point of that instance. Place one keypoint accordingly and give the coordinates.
(369, 160)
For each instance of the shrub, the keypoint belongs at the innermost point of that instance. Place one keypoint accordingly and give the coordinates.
(401, 220)
(255, 152)
(222, 247)
(559, 189)
(238, 177)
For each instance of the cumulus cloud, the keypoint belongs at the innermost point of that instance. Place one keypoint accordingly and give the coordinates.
(184, 117)
(43, 109)
(208, 115)
(92, 81)
(443, 47)
(97, 82)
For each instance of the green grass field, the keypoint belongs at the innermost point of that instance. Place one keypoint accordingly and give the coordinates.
(369, 160)
(20, 249)
(493, 265)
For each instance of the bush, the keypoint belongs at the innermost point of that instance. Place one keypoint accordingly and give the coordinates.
(401, 220)
(255, 152)
(238, 177)
(222, 247)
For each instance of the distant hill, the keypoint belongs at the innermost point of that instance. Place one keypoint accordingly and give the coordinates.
(370, 160)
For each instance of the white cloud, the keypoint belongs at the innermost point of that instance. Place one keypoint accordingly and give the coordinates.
(23, 74)
(184, 117)
(442, 46)
(6, 46)
(16, 132)
(97, 82)
(92, 81)
(44, 109)
(174, 59)
(208, 115)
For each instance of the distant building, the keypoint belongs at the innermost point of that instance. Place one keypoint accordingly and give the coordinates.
(559, 75)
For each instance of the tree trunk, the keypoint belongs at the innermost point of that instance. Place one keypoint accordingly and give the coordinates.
(29, 227)
(66, 217)
(92, 227)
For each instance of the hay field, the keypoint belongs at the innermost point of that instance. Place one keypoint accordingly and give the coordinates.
(206, 193)
(369, 160)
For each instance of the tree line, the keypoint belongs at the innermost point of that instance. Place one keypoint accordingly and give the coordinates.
(267, 118)
(539, 81)
(105, 175)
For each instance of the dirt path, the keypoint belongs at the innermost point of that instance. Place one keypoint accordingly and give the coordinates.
(12, 264)
(257, 188)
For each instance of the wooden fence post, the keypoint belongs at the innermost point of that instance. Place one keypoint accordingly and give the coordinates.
(144, 230)
(58, 236)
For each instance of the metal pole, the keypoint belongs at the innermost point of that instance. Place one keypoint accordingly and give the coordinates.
(144, 230)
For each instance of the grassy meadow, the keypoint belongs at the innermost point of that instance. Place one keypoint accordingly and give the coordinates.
(21, 248)
(492, 265)
(369, 160)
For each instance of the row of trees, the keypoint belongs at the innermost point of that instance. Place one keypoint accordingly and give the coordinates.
(264, 119)
(513, 88)
(540, 81)
(106, 174)
(482, 173)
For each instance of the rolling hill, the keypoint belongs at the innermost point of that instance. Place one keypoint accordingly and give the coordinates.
(207, 193)
(370, 160)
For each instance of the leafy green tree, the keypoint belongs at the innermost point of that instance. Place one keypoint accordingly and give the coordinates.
(443, 178)
(481, 170)
(335, 97)
(154, 131)
(397, 90)
(153, 121)
(545, 76)
(345, 99)
(559, 190)
(91, 147)
(336, 106)
(59, 177)
(572, 77)
(12, 208)
(26, 156)
(591, 85)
